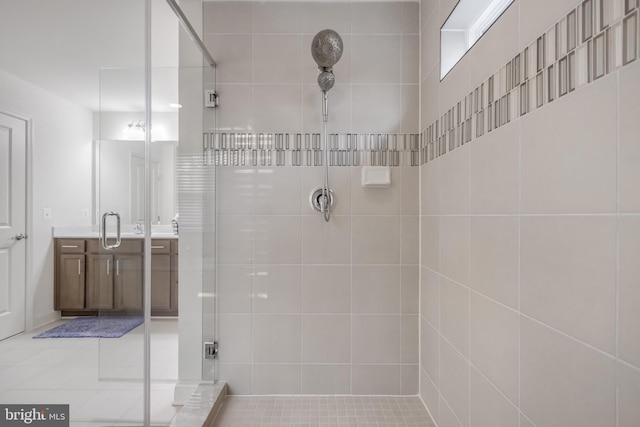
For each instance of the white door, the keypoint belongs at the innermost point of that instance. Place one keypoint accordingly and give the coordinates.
(13, 148)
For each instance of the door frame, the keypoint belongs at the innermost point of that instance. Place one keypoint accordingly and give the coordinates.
(28, 303)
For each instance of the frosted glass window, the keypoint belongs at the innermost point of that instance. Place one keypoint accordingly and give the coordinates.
(467, 23)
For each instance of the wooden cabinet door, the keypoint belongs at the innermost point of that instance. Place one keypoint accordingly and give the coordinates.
(100, 282)
(70, 290)
(128, 282)
(161, 284)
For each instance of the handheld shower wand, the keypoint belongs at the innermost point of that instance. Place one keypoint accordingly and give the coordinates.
(326, 49)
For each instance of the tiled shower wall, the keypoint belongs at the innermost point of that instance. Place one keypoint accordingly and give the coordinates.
(530, 219)
(306, 306)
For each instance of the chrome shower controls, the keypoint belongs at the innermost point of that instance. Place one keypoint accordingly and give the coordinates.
(316, 199)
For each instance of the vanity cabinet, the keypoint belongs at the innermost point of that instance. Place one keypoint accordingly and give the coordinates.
(89, 279)
(70, 270)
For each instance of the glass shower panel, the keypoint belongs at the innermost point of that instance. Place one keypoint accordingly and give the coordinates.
(115, 264)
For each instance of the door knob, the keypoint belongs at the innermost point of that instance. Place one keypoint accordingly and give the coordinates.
(20, 236)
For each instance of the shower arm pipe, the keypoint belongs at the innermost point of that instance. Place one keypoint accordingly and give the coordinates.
(191, 31)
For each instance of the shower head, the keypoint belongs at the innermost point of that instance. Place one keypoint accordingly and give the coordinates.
(326, 49)
(326, 80)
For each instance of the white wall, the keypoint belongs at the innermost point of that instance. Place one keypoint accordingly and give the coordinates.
(60, 179)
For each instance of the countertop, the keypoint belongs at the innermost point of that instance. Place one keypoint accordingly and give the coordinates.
(127, 232)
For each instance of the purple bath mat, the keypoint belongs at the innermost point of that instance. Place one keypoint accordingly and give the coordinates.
(93, 327)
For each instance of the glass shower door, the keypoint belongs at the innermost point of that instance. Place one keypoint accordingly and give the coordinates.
(116, 260)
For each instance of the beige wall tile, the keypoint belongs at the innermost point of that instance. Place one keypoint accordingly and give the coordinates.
(271, 184)
(235, 235)
(568, 274)
(371, 330)
(447, 417)
(430, 297)
(427, 7)
(278, 239)
(376, 240)
(277, 59)
(234, 333)
(237, 377)
(583, 391)
(410, 18)
(276, 379)
(326, 243)
(454, 182)
(326, 379)
(410, 190)
(368, 50)
(375, 289)
(286, 117)
(227, 17)
(430, 351)
(454, 314)
(454, 381)
(494, 171)
(410, 379)
(410, 254)
(234, 292)
(628, 381)
(454, 248)
(369, 115)
(276, 339)
(411, 58)
(629, 150)
(580, 131)
(410, 346)
(326, 289)
(430, 45)
(430, 188)
(430, 396)
(629, 291)
(494, 344)
(277, 289)
(319, 16)
(410, 283)
(326, 338)
(495, 257)
(235, 51)
(375, 379)
(430, 242)
(489, 408)
(430, 102)
(376, 18)
(277, 17)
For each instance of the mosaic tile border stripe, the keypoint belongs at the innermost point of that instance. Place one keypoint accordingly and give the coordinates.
(305, 149)
(596, 38)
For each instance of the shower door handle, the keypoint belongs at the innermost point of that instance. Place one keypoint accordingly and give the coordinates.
(105, 243)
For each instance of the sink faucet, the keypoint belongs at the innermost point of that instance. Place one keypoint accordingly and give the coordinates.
(137, 228)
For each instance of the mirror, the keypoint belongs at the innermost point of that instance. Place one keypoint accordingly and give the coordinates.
(469, 20)
(118, 165)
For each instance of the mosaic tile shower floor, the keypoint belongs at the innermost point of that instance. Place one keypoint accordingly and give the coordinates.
(316, 411)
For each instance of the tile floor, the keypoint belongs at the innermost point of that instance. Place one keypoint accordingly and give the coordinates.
(325, 411)
(86, 373)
